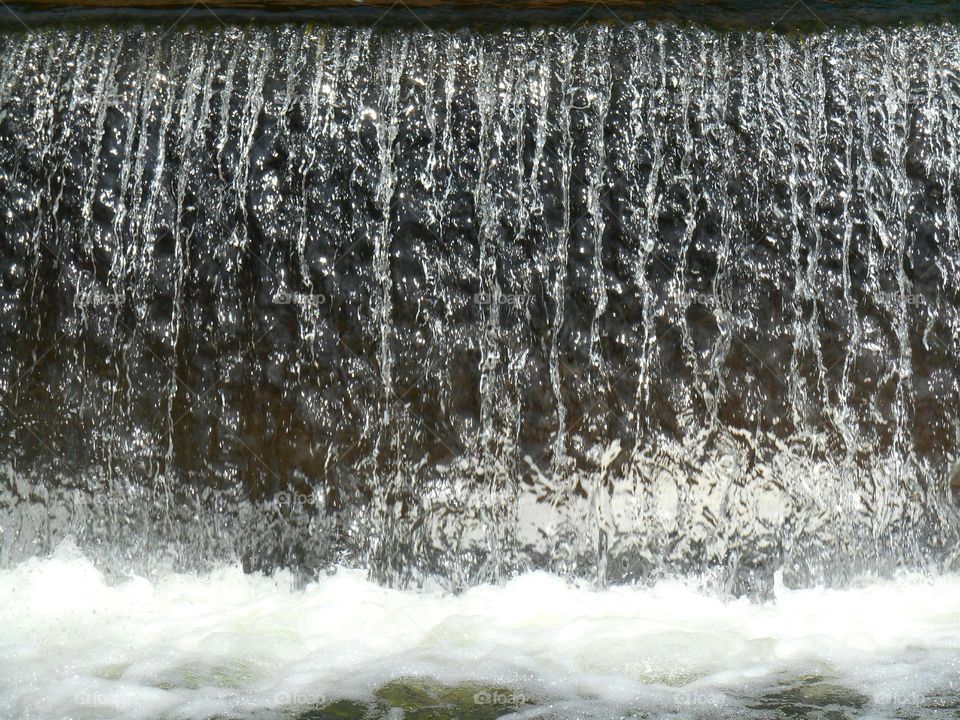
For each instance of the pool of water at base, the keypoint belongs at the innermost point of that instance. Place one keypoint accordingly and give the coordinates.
(234, 645)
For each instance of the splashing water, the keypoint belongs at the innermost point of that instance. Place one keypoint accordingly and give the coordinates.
(229, 644)
(612, 302)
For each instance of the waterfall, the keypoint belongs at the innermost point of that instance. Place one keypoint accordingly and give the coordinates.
(618, 301)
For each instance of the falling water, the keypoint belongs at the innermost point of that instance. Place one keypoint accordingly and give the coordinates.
(617, 302)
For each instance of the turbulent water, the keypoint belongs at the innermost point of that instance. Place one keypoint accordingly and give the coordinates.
(232, 645)
(614, 302)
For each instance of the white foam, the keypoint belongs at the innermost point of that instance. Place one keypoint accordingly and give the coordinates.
(72, 645)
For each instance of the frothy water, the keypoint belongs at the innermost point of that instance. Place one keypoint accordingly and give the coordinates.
(229, 644)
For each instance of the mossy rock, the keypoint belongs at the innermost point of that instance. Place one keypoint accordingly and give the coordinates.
(112, 672)
(813, 697)
(193, 677)
(421, 699)
(943, 701)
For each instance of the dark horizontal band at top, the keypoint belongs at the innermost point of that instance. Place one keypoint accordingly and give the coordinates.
(778, 15)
